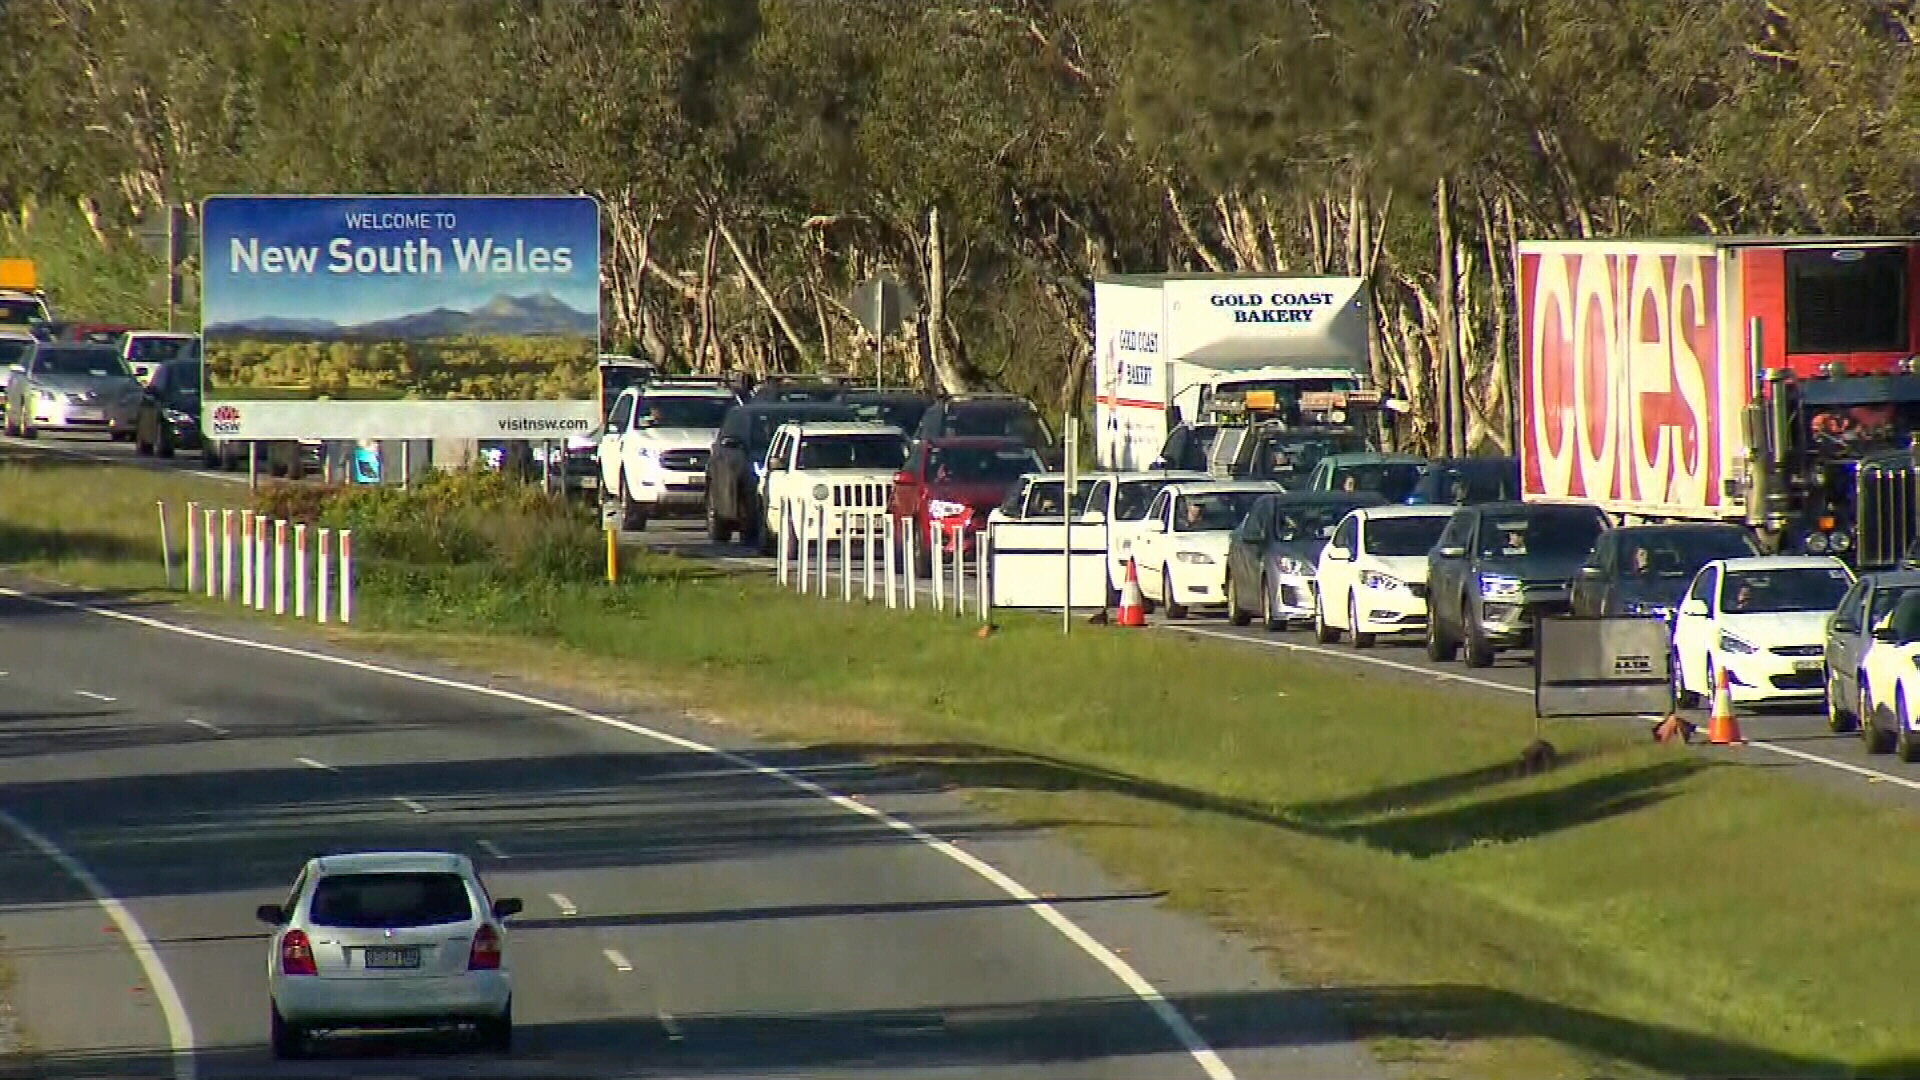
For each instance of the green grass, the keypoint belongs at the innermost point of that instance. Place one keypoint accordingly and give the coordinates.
(1642, 910)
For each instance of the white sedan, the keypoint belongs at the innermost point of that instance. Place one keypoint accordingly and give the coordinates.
(388, 940)
(1181, 550)
(1372, 574)
(1763, 621)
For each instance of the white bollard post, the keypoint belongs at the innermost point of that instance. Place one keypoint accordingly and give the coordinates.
(323, 570)
(802, 528)
(866, 548)
(939, 560)
(300, 571)
(887, 556)
(166, 542)
(213, 556)
(782, 548)
(262, 544)
(193, 548)
(246, 558)
(906, 553)
(980, 564)
(226, 555)
(959, 570)
(846, 556)
(820, 556)
(346, 576)
(280, 567)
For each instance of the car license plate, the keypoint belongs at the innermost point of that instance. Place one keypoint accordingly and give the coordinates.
(393, 958)
(94, 415)
(1809, 665)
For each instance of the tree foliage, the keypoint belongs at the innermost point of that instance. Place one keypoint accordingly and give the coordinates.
(759, 158)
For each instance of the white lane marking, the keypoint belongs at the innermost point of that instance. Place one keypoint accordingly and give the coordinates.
(410, 804)
(4, 674)
(107, 459)
(172, 1009)
(670, 1026)
(1165, 1011)
(1489, 684)
(493, 849)
(312, 764)
(96, 697)
(211, 729)
(617, 959)
(565, 905)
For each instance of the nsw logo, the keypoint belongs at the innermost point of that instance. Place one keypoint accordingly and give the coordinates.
(226, 420)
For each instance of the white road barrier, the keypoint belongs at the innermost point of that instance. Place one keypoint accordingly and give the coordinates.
(193, 546)
(246, 558)
(267, 564)
(958, 574)
(300, 571)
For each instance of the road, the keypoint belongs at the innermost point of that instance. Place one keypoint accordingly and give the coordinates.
(690, 912)
(1793, 735)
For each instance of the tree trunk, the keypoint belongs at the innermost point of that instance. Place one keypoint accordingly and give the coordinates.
(760, 289)
(951, 378)
(1445, 336)
(705, 347)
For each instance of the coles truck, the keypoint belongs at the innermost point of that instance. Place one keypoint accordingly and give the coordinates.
(1769, 382)
(1165, 345)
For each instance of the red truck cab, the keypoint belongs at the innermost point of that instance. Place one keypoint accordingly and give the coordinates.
(949, 485)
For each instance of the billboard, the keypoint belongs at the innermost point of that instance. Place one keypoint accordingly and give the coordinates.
(391, 317)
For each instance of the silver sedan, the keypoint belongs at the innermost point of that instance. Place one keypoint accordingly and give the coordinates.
(60, 387)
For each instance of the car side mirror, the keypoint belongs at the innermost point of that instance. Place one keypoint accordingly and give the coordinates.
(1694, 607)
(1093, 517)
(1339, 554)
(1589, 571)
(507, 906)
(270, 914)
(731, 442)
(18, 369)
(902, 477)
(1451, 551)
(1159, 464)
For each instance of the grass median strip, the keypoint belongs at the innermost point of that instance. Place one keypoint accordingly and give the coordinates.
(1641, 910)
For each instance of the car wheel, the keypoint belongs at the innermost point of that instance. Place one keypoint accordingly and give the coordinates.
(26, 429)
(163, 444)
(1479, 653)
(1360, 640)
(1871, 733)
(140, 445)
(633, 515)
(496, 1032)
(1839, 721)
(1440, 647)
(288, 1040)
(719, 530)
(1269, 622)
(1903, 741)
(1322, 633)
(1235, 614)
(1174, 611)
(1682, 696)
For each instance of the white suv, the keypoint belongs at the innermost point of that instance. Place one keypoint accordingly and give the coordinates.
(837, 466)
(388, 939)
(653, 454)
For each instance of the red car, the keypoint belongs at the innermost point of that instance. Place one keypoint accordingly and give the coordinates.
(954, 483)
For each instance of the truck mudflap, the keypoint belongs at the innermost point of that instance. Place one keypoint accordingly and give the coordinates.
(1886, 512)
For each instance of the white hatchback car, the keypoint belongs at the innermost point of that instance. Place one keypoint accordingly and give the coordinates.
(1763, 621)
(1372, 575)
(398, 939)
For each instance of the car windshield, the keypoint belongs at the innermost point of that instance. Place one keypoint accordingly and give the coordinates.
(1675, 555)
(1043, 497)
(1544, 531)
(1005, 421)
(1309, 521)
(1395, 536)
(980, 464)
(95, 363)
(158, 350)
(18, 312)
(903, 413)
(682, 412)
(1884, 599)
(871, 452)
(383, 901)
(1134, 498)
(1392, 481)
(1758, 592)
(1213, 511)
(1478, 482)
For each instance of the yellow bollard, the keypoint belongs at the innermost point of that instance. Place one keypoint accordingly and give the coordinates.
(613, 556)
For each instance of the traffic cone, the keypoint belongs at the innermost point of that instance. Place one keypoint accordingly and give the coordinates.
(1724, 728)
(1133, 606)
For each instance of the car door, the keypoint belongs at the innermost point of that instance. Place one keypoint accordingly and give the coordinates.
(1590, 585)
(1248, 547)
(1693, 629)
(908, 483)
(1846, 635)
(1337, 570)
(1445, 565)
(1150, 546)
(617, 423)
(772, 487)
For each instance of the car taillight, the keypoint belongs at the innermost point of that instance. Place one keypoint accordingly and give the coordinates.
(296, 954)
(485, 954)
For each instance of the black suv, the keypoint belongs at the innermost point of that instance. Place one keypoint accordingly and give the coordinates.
(1004, 415)
(1645, 569)
(169, 416)
(740, 452)
(1497, 568)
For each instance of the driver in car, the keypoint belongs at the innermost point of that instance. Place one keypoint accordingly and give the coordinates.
(1194, 514)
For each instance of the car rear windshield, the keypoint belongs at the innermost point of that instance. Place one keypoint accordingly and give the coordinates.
(1755, 592)
(1043, 497)
(1543, 531)
(1678, 554)
(682, 412)
(903, 413)
(98, 363)
(1475, 482)
(1391, 481)
(1884, 599)
(156, 350)
(853, 452)
(981, 465)
(14, 312)
(1133, 499)
(1395, 536)
(1006, 421)
(380, 901)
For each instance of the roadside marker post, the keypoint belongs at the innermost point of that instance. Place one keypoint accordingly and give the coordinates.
(262, 541)
(907, 547)
(166, 542)
(783, 551)
(846, 556)
(323, 567)
(802, 526)
(346, 576)
(820, 556)
(867, 521)
(980, 563)
(613, 555)
(300, 571)
(246, 558)
(938, 562)
(226, 555)
(887, 557)
(193, 546)
(280, 567)
(213, 558)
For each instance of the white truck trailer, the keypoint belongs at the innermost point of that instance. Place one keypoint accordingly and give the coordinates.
(1165, 344)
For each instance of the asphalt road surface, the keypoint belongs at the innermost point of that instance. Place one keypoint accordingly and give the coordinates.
(687, 914)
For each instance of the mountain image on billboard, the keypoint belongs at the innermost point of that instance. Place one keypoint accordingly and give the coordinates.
(401, 298)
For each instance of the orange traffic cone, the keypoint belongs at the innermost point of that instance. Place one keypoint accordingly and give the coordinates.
(1724, 728)
(1133, 606)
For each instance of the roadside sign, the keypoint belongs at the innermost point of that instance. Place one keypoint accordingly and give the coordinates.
(1603, 667)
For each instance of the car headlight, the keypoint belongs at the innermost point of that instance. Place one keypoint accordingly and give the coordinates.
(1198, 557)
(1495, 587)
(1729, 643)
(941, 508)
(1841, 542)
(1817, 543)
(47, 397)
(1916, 661)
(1287, 564)
(1647, 607)
(1384, 582)
(820, 492)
